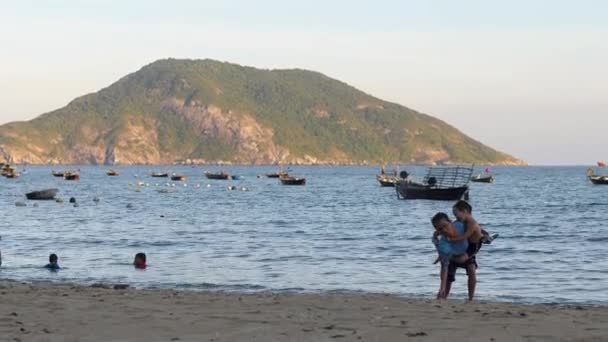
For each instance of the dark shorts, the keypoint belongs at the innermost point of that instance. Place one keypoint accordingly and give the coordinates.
(453, 266)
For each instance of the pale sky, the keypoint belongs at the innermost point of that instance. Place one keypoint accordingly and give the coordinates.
(527, 77)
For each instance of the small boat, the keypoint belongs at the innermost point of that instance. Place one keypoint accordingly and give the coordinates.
(58, 173)
(159, 174)
(277, 174)
(178, 178)
(237, 177)
(482, 179)
(597, 179)
(12, 174)
(71, 176)
(288, 180)
(385, 180)
(42, 195)
(6, 170)
(112, 173)
(221, 175)
(449, 183)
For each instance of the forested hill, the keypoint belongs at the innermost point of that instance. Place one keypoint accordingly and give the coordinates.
(205, 111)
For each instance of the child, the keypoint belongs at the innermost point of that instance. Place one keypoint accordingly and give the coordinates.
(473, 232)
(53, 262)
(448, 251)
(140, 261)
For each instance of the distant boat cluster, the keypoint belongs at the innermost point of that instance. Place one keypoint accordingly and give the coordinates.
(73, 175)
(450, 182)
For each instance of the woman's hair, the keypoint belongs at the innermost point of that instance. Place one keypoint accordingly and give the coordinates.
(438, 217)
(53, 258)
(463, 206)
(141, 256)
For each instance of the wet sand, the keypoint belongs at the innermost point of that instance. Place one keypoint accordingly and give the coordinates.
(72, 313)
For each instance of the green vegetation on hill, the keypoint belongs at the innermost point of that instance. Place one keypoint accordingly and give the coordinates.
(208, 110)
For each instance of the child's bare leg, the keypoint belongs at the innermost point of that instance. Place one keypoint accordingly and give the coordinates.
(444, 280)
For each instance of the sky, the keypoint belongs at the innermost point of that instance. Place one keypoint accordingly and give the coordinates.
(529, 78)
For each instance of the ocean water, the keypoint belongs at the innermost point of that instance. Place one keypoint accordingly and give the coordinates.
(340, 232)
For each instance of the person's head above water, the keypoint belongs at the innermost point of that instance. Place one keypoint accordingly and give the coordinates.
(462, 210)
(53, 262)
(140, 260)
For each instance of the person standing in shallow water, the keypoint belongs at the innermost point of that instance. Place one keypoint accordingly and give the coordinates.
(476, 237)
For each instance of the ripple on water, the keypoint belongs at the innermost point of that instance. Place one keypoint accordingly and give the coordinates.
(322, 237)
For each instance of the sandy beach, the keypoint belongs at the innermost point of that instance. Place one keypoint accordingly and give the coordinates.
(73, 313)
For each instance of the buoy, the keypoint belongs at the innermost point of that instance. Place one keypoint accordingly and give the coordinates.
(208, 185)
(244, 189)
(232, 187)
(59, 200)
(76, 205)
(129, 206)
(96, 199)
(72, 200)
(20, 204)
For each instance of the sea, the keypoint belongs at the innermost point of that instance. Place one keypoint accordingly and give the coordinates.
(341, 232)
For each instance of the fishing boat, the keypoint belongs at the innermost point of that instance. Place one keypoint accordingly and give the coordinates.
(42, 195)
(597, 179)
(385, 180)
(482, 179)
(159, 174)
(6, 169)
(71, 176)
(442, 183)
(12, 174)
(277, 174)
(112, 173)
(58, 173)
(178, 178)
(289, 180)
(214, 175)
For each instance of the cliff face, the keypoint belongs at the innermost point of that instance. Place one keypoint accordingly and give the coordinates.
(204, 111)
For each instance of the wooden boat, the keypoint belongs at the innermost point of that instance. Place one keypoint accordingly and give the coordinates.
(159, 174)
(385, 180)
(71, 176)
(221, 175)
(178, 178)
(42, 195)
(58, 173)
(445, 183)
(482, 179)
(6, 170)
(112, 173)
(597, 179)
(277, 174)
(288, 180)
(12, 174)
